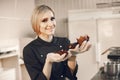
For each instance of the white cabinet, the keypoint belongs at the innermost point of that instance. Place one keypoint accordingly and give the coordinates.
(11, 64)
(12, 67)
(9, 67)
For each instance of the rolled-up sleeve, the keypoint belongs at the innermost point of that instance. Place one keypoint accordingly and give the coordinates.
(69, 74)
(33, 66)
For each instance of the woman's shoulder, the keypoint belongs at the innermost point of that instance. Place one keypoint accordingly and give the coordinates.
(29, 48)
(30, 43)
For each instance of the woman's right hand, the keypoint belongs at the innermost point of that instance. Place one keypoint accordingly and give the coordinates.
(85, 46)
(55, 57)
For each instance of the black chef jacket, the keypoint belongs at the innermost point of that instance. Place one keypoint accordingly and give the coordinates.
(34, 55)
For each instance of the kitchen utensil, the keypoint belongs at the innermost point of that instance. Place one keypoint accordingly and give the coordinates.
(112, 69)
(111, 49)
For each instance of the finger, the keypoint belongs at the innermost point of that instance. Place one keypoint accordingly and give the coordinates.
(68, 56)
(75, 49)
(83, 45)
(87, 47)
(63, 55)
(77, 46)
(60, 58)
(54, 57)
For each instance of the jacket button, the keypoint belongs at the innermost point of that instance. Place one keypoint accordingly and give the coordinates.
(60, 46)
(61, 75)
(41, 55)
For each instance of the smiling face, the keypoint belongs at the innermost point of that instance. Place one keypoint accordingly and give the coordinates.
(43, 20)
(47, 23)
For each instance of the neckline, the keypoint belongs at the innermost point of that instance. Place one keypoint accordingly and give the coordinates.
(41, 40)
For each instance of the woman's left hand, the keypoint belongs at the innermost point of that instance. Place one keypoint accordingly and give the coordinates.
(85, 46)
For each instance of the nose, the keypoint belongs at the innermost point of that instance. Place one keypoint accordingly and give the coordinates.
(51, 25)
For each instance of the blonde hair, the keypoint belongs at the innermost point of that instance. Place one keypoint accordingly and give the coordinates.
(35, 19)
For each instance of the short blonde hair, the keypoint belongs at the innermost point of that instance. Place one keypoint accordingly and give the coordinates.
(35, 19)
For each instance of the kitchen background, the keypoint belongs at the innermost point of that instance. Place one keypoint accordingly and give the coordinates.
(16, 30)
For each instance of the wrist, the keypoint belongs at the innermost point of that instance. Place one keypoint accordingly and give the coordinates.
(74, 53)
(72, 58)
(48, 61)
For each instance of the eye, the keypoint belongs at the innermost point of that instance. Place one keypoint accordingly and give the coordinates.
(52, 18)
(45, 20)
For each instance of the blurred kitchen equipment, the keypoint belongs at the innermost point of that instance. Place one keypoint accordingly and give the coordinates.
(114, 54)
(112, 67)
(111, 49)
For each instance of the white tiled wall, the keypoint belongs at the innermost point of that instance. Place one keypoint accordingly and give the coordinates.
(15, 18)
(7, 8)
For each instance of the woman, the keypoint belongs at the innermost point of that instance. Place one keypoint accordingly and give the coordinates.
(41, 56)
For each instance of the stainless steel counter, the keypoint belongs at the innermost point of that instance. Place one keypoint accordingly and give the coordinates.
(102, 76)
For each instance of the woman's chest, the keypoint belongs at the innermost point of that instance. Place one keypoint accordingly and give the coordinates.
(42, 51)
